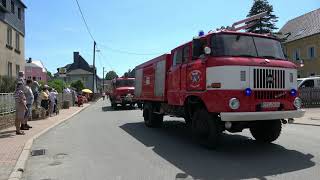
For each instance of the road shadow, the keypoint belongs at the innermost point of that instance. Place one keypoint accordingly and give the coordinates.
(7, 134)
(238, 157)
(118, 108)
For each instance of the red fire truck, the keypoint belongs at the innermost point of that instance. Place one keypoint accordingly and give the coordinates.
(223, 80)
(122, 92)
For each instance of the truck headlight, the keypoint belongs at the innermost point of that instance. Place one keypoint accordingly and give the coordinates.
(297, 102)
(234, 103)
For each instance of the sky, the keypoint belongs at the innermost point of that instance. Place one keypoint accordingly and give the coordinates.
(130, 32)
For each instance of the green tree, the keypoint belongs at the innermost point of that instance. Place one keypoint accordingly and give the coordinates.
(265, 24)
(111, 75)
(7, 84)
(57, 84)
(49, 74)
(78, 85)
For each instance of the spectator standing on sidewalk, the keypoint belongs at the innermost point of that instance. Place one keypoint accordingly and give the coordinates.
(21, 106)
(29, 99)
(20, 78)
(52, 100)
(35, 89)
(103, 95)
(44, 95)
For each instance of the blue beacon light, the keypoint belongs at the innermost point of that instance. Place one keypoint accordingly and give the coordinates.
(248, 92)
(201, 33)
(293, 92)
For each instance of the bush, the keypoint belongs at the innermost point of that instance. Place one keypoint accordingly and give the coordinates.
(7, 84)
(57, 84)
(78, 85)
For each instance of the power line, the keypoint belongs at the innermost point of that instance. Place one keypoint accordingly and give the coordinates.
(84, 20)
(127, 52)
(101, 56)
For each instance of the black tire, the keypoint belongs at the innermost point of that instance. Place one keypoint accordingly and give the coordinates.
(151, 119)
(113, 105)
(188, 120)
(139, 105)
(206, 129)
(266, 131)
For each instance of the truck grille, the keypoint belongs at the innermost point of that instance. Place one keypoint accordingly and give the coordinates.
(269, 79)
(270, 94)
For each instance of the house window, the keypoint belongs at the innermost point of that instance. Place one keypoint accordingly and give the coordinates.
(4, 3)
(29, 77)
(296, 54)
(12, 7)
(9, 69)
(17, 41)
(17, 70)
(311, 52)
(9, 36)
(19, 13)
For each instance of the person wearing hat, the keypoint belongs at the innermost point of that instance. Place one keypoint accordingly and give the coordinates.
(20, 78)
(21, 106)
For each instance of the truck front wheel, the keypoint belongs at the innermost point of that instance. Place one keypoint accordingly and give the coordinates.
(206, 129)
(151, 119)
(266, 131)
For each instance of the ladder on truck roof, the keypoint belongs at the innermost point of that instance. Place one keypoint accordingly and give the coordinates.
(246, 23)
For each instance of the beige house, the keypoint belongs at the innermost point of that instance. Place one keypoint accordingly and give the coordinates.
(302, 44)
(12, 32)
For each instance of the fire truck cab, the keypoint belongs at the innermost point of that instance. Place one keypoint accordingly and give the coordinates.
(122, 92)
(224, 80)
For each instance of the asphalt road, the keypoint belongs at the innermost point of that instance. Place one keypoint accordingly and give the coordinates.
(102, 144)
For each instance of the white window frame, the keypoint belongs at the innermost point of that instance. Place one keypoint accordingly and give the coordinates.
(17, 41)
(9, 36)
(295, 52)
(9, 65)
(314, 52)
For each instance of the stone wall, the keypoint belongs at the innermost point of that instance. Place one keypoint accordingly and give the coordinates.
(7, 120)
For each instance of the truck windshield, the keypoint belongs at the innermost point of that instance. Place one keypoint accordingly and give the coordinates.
(125, 83)
(246, 46)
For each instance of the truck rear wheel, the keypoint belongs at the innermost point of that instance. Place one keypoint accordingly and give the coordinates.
(151, 119)
(113, 105)
(266, 131)
(206, 129)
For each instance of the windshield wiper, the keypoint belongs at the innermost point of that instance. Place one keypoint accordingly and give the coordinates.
(245, 55)
(270, 57)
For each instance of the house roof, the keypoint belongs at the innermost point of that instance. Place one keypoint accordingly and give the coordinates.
(36, 63)
(79, 72)
(302, 26)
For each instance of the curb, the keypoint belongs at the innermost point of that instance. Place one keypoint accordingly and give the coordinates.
(19, 168)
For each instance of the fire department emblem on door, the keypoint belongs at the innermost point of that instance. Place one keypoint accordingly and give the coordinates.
(195, 77)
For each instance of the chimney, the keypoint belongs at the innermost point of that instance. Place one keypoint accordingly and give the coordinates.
(75, 57)
(29, 60)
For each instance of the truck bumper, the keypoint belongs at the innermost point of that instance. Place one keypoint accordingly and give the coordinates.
(257, 116)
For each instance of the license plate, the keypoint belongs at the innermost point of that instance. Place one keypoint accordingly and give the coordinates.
(270, 104)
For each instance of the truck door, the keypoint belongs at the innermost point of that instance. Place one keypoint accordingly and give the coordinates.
(174, 77)
(196, 69)
(186, 58)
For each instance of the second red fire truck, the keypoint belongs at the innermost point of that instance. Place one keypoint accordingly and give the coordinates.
(223, 80)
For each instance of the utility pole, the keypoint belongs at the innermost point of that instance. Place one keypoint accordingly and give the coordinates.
(103, 79)
(94, 67)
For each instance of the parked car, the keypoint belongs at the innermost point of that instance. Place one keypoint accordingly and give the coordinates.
(309, 82)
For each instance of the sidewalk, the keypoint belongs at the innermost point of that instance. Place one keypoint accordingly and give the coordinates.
(312, 117)
(12, 145)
